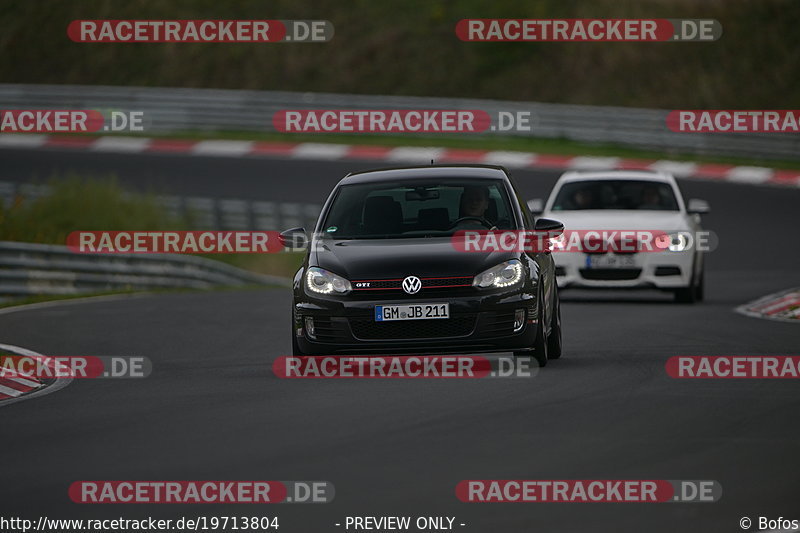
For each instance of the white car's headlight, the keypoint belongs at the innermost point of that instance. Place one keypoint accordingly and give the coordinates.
(323, 282)
(502, 275)
(677, 242)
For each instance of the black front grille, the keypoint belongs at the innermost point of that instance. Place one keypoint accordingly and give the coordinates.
(397, 284)
(610, 274)
(456, 326)
(428, 283)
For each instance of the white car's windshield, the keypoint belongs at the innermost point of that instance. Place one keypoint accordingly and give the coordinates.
(615, 194)
(422, 208)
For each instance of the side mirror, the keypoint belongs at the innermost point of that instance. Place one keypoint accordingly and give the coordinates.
(698, 207)
(294, 239)
(553, 227)
(536, 206)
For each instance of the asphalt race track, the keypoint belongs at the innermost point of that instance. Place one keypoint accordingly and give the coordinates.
(212, 409)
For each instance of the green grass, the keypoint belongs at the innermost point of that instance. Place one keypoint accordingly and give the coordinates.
(100, 203)
(77, 204)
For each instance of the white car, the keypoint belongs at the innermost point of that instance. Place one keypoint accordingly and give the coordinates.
(633, 206)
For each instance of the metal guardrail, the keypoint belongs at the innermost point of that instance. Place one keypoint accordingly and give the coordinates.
(44, 269)
(206, 213)
(180, 110)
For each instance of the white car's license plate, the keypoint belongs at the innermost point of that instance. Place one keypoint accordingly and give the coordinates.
(609, 261)
(384, 313)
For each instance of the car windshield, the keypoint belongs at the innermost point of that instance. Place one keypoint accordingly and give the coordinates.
(616, 194)
(420, 208)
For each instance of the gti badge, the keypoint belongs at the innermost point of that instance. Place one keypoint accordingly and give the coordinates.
(412, 284)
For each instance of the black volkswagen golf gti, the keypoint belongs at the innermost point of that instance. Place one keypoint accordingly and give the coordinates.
(383, 273)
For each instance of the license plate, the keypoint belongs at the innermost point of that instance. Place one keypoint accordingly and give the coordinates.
(609, 261)
(385, 313)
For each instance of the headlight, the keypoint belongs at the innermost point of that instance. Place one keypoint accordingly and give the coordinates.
(323, 282)
(503, 275)
(677, 242)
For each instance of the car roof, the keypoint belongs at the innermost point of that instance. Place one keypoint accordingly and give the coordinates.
(649, 175)
(426, 171)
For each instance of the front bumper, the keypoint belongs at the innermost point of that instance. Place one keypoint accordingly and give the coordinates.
(477, 323)
(660, 270)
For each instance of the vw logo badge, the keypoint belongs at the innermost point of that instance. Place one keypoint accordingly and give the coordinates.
(412, 284)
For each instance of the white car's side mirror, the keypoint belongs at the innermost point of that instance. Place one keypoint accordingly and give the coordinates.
(536, 206)
(698, 207)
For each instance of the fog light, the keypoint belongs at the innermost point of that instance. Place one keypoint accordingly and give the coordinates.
(310, 327)
(519, 319)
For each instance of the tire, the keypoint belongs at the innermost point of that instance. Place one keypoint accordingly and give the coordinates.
(540, 345)
(554, 339)
(685, 295)
(693, 293)
(700, 289)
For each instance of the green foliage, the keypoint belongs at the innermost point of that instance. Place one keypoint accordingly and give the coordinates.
(410, 48)
(77, 204)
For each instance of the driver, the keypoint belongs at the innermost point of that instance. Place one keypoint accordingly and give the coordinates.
(583, 199)
(650, 198)
(475, 201)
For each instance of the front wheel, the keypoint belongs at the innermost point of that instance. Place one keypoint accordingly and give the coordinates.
(700, 289)
(691, 294)
(541, 344)
(696, 289)
(686, 295)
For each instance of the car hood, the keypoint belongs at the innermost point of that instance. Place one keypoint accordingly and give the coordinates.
(398, 258)
(612, 219)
